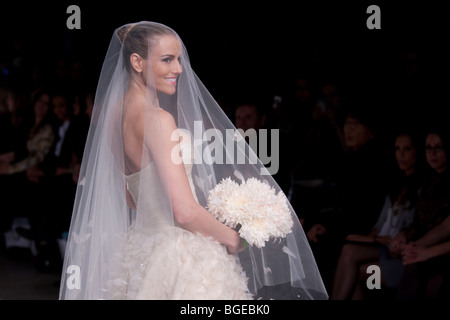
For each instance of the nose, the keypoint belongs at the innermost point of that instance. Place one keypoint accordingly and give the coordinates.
(177, 68)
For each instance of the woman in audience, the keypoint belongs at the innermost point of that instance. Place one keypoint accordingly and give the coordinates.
(424, 279)
(21, 176)
(396, 214)
(40, 136)
(360, 191)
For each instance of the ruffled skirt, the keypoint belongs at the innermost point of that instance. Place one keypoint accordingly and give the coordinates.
(179, 265)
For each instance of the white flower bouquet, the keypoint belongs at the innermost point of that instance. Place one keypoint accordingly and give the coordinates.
(253, 208)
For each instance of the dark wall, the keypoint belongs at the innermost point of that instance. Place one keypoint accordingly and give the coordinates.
(235, 45)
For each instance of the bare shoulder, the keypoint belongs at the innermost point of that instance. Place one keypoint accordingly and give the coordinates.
(167, 119)
(139, 118)
(168, 125)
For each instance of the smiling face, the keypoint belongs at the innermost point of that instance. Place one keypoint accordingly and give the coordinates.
(165, 59)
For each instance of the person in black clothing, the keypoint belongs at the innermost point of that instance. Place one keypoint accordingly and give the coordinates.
(252, 112)
(360, 192)
(21, 194)
(54, 177)
(13, 147)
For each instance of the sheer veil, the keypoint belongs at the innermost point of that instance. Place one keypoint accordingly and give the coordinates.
(105, 211)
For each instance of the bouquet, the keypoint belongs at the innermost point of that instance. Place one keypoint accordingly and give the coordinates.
(252, 208)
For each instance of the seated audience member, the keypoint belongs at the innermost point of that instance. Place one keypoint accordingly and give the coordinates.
(13, 137)
(12, 131)
(319, 147)
(252, 114)
(424, 279)
(361, 186)
(21, 192)
(55, 177)
(396, 214)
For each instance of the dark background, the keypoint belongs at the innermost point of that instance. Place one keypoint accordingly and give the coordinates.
(259, 46)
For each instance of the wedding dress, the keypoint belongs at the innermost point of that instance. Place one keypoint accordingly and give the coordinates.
(159, 267)
(124, 241)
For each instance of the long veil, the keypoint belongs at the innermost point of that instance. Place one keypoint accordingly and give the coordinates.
(104, 211)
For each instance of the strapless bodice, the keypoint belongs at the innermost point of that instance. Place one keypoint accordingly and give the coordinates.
(154, 197)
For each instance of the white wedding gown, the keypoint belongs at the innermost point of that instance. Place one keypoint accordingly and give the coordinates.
(176, 263)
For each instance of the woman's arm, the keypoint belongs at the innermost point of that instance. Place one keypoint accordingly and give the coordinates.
(434, 243)
(416, 253)
(436, 235)
(162, 141)
(187, 212)
(368, 238)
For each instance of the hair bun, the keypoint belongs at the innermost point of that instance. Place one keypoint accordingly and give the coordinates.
(123, 32)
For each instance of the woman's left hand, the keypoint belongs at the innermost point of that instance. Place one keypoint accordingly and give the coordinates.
(413, 253)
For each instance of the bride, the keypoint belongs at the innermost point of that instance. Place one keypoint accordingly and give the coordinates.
(140, 228)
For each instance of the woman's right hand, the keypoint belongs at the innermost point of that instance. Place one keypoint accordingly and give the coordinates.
(316, 230)
(34, 173)
(396, 245)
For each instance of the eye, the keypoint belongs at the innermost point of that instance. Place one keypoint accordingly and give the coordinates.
(167, 60)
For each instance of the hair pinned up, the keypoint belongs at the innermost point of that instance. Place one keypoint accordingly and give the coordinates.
(139, 38)
(123, 32)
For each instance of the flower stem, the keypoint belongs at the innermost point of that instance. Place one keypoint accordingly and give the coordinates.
(245, 244)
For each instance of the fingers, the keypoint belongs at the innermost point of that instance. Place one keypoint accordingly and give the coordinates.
(312, 235)
(410, 253)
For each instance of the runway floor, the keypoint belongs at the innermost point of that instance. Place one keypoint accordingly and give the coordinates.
(20, 280)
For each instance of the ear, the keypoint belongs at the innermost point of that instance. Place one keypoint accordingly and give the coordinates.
(136, 62)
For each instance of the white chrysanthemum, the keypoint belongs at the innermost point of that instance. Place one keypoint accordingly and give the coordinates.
(254, 206)
(218, 201)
